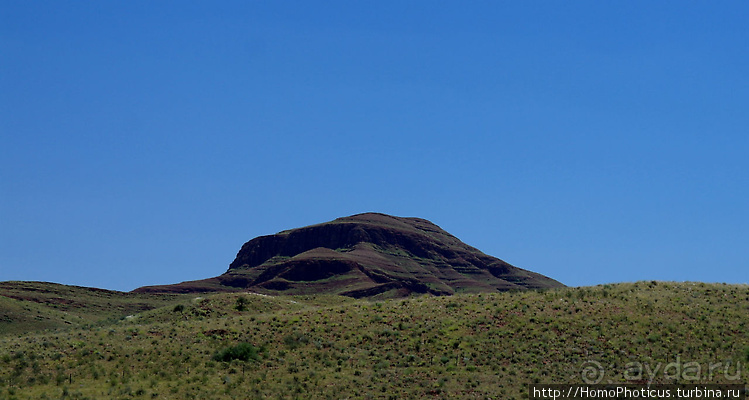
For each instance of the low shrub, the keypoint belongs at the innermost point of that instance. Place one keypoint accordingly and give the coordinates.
(242, 352)
(241, 304)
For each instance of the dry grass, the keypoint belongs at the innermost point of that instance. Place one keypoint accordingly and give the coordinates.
(463, 346)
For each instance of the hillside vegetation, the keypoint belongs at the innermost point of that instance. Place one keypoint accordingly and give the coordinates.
(31, 306)
(488, 345)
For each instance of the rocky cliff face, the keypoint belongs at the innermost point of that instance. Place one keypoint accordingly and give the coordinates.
(366, 255)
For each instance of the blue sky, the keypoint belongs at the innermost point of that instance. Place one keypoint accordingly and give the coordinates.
(143, 142)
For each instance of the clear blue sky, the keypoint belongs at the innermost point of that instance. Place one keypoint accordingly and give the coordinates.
(142, 142)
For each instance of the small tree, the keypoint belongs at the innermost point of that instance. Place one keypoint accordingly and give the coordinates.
(241, 303)
(242, 352)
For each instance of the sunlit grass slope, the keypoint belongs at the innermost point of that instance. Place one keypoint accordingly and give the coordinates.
(31, 306)
(464, 346)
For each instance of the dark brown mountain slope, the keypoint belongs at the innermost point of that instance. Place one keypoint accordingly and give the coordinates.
(364, 255)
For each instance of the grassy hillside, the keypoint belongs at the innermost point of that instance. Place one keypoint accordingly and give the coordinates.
(32, 306)
(240, 346)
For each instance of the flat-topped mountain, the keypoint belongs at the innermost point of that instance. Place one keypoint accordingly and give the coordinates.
(364, 255)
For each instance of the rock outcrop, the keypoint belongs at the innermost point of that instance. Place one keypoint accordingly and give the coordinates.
(365, 255)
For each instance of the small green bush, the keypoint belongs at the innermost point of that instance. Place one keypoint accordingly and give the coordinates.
(241, 304)
(242, 352)
(295, 340)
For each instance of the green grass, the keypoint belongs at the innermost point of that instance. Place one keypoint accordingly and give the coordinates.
(463, 346)
(33, 306)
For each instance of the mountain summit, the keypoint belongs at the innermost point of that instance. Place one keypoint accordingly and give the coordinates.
(364, 255)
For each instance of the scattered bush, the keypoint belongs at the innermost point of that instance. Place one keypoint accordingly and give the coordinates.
(241, 303)
(295, 340)
(242, 352)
